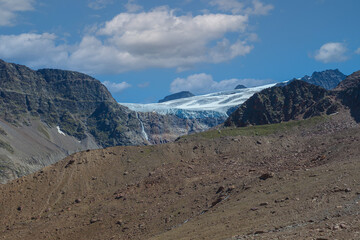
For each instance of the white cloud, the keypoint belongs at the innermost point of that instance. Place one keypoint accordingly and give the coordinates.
(254, 7)
(132, 41)
(357, 51)
(331, 52)
(204, 83)
(33, 49)
(116, 87)
(132, 7)
(159, 38)
(9, 8)
(99, 4)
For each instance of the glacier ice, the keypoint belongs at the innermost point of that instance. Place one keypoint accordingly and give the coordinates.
(213, 105)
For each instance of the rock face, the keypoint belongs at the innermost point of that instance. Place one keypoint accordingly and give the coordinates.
(240, 87)
(297, 100)
(47, 114)
(327, 79)
(79, 104)
(179, 95)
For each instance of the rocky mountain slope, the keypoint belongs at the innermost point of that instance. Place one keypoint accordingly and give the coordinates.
(48, 114)
(297, 100)
(179, 95)
(295, 180)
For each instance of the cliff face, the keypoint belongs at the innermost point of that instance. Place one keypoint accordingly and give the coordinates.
(47, 114)
(66, 99)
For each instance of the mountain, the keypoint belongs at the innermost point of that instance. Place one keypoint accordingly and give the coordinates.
(48, 114)
(295, 180)
(297, 100)
(179, 95)
(240, 87)
(327, 79)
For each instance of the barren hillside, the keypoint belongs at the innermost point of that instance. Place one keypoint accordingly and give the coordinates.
(295, 180)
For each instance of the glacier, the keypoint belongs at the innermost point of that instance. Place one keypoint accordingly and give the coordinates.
(213, 105)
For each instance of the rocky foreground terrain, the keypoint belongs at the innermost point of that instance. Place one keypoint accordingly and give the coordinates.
(295, 180)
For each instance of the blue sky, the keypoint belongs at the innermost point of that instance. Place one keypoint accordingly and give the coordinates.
(143, 50)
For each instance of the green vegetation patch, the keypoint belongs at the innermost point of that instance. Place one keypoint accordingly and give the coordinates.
(260, 130)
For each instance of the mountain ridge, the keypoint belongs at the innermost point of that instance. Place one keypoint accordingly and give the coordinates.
(297, 100)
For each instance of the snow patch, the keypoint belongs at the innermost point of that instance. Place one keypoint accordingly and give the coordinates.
(59, 131)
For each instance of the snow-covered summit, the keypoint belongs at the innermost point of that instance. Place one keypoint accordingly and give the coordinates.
(209, 105)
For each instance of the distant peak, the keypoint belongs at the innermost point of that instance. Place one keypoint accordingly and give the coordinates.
(240, 87)
(179, 95)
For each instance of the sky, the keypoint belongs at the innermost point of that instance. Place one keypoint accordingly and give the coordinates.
(143, 50)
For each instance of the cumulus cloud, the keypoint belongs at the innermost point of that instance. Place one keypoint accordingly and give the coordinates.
(99, 4)
(33, 49)
(254, 7)
(116, 87)
(204, 83)
(159, 38)
(9, 8)
(130, 41)
(357, 51)
(331, 52)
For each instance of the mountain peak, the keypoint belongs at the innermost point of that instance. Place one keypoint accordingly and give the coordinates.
(240, 87)
(327, 79)
(179, 95)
